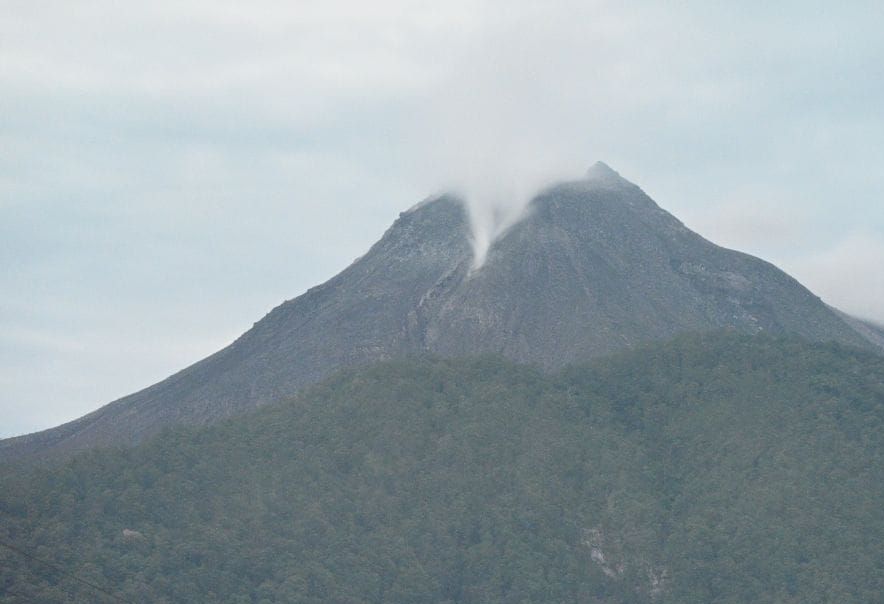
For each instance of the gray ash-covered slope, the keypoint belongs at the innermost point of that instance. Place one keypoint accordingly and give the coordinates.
(597, 266)
(594, 267)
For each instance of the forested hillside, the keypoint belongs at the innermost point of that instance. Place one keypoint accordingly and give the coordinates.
(711, 469)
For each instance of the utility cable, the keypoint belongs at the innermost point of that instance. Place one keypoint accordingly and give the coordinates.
(62, 571)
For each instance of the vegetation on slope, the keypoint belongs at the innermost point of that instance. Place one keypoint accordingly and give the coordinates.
(714, 469)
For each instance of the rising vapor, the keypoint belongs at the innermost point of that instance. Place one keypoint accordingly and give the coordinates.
(491, 214)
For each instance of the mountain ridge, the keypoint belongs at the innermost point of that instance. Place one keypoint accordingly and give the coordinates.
(594, 266)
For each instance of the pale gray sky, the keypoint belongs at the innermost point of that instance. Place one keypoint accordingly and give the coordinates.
(171, 170)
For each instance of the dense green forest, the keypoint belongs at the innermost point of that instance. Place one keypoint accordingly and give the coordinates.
(710, 469)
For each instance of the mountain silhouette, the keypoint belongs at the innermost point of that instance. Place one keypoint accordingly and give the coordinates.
(593, 267)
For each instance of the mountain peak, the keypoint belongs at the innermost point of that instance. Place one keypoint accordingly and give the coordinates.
(602, 171)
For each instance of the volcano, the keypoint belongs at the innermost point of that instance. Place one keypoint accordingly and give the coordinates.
(593, 267)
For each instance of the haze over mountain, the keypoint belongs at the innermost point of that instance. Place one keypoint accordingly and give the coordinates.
(594, 266)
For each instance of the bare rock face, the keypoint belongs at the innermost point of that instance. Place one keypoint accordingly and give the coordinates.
(594, 267)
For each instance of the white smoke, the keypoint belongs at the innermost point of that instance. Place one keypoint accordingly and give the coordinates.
(494, 207)
(487, 223)
(496, 157)
(496, 192)
(500, 125)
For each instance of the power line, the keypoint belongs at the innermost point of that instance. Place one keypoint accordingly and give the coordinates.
(62, 571)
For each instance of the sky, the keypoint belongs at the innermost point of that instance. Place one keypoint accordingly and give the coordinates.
(172, 170)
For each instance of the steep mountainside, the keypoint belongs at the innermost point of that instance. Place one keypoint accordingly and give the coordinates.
(594, 267)
(709, 470)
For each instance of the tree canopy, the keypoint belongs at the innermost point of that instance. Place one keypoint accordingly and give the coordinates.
(711, 469)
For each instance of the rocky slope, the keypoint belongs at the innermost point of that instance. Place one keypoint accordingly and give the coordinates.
(594, 267)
